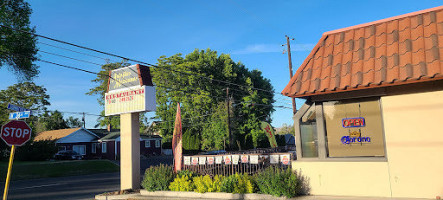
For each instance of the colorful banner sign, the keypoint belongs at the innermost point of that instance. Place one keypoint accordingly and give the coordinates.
(194, 161)
(218, 159)
(254, 159)
(235, 159)
(269, 131)
(187, 160)
(177, 141)
(244, 159)
(227, 159)
(202, 160)
(274, 159)
(285, 159)
(210, 160)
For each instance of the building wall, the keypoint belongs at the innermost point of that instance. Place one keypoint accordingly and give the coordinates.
(412, 125)
(345, 178)
(414, 143)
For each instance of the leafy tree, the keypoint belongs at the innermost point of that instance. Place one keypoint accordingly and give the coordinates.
(26, 95)
(18, 49)
(285, 129)
(182, 79)
(72, 122)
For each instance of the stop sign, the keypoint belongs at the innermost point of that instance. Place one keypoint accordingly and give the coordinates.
(16, 133)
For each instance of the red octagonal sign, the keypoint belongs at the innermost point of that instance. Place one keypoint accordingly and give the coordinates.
(16, 133)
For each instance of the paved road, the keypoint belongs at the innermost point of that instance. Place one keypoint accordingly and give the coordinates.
(74, 187)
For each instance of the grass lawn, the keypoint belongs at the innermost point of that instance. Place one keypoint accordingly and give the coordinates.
(32, 170)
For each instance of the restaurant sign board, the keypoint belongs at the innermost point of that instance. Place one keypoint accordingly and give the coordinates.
(130, 89)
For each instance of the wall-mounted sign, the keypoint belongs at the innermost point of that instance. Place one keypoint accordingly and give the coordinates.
(353, 122)
(349, 140)
(130, 89)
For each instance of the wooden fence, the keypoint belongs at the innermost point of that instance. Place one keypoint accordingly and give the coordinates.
(228, 164)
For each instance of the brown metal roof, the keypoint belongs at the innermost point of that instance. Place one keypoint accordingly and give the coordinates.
(398, 50)
(55, 134)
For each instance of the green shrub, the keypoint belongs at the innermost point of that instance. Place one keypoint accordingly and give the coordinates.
(278, 182)
(182, 183)
(157, 178)
(237, 183)
(188, 173)
(207, 184)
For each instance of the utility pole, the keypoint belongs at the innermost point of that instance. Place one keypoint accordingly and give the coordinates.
(288, 44)
(229, 120)
(83, 119)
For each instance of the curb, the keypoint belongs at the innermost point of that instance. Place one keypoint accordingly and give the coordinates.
(209, 195)
(115, 197)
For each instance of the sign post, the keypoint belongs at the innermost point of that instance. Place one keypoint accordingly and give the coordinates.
(14, 133)
(130, 91)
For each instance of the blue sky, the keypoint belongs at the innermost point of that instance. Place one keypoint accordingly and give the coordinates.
(250, 31)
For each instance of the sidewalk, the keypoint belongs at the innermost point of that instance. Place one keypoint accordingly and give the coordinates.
(170, 195)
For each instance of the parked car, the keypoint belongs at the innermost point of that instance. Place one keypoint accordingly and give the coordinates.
(68, 155)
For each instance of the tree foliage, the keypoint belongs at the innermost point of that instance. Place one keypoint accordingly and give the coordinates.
(17, 49)
(203, 101)
(26, 95)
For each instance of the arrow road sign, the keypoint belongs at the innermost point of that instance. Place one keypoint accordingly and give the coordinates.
(20, 115)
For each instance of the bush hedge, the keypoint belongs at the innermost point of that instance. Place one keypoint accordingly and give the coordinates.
(272, 180)
(278, 182)
(158, 178)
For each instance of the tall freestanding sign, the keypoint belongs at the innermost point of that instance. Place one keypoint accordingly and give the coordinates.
(130, 91)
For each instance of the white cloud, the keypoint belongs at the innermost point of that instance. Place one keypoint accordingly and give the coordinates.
(272, 48)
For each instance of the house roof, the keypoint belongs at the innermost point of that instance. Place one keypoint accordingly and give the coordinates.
(54, 134)
(399, 50)
(114, 135)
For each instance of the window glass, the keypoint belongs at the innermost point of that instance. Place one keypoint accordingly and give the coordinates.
(308, 133)
(104, 149)
(157, 143)
(93, 147)
(80, 149)
(147, 143)
(353, 128)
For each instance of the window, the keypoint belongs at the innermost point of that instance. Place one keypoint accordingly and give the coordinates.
(80, 149)
(341, 129)
(353, 128)
(61, 148)
(93, 148)
(147, 143)
(308, 133)
(104, 149)
(157, 143)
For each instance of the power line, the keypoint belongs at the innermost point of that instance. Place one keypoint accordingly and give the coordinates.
(105, 59)
(138, 61)
(55, 54)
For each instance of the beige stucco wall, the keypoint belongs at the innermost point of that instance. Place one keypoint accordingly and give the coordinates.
(413, 126)
(346, 178)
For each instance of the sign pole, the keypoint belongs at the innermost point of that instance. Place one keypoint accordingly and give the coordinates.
(8, 176)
